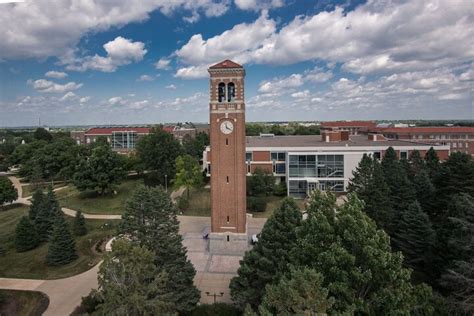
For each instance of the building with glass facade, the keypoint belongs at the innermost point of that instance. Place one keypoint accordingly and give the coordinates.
(323, 162)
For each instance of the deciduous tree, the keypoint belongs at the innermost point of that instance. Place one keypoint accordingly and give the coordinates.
(188, 173)
(102, 171)
(8, 192)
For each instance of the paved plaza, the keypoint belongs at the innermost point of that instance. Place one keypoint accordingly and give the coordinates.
(213, 272)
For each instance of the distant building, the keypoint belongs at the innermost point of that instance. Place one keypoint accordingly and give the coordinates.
(353, 127)
(121, 139)
(324, 162)
(458, 138)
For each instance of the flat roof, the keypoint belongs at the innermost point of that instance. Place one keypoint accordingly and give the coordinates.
(316, 141)
(423, 130)
(348, 124)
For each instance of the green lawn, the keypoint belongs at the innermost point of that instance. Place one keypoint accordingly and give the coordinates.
(200, 204)
(91, 202)
(22, 303)
(32, 264)
(28, 190)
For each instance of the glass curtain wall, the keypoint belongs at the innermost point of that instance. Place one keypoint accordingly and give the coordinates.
(124, 140)
(316, 166)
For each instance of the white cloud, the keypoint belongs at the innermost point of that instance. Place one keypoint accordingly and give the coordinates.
(236, 44)
(84, 100)
(116, 101)
(43, 85)
(56, 74)
(375, 37)
(256, 5)
(318, 75)
(171, 87)
(121, 51)
(192, 72)
(37, 29)
(163, 64)
(68, 96)
(300, 94)
(145, 78)
(278, 85)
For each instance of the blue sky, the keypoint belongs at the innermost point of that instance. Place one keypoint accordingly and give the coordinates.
(145, 61)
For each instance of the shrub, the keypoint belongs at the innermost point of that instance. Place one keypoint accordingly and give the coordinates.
(256, 204)
(216, 309)
(280, 189)
(182, 203)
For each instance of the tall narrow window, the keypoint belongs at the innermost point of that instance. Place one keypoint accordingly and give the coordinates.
(227, 179)
(230, 92)
(228, 239)
(227, 141)
(221, 92)
(228, 219)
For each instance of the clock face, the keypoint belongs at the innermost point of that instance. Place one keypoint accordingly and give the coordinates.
(227, 127)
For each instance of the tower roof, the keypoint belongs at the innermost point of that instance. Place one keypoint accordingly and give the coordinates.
(226, 64)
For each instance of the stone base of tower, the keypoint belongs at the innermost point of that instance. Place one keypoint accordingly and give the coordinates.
(228, 243)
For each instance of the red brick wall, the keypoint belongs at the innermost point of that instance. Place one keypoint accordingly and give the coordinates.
(261, 156)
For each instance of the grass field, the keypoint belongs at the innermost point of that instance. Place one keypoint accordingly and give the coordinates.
(22, 303)
(92, 203)
(32, 264)
(28, 190)
(200, 204)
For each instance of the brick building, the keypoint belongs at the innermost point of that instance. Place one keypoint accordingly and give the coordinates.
(320, 161)
(121, 139)
(353, 127)
(458, 138)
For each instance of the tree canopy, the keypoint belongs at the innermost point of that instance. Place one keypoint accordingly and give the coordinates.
(8, 192)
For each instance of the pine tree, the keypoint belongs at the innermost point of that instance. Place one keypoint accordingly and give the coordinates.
(131, 284)
(26, 237)
(62, 246)
(425, 190)
(416, 163)
(299, 293)
(37, 202)
(154, 207)
(362, 177)
(267, 260)
(46, 215)
(432, 162)
(415, 237)
(355, 258)
(370, 186)
(402, 193)
(79, 226)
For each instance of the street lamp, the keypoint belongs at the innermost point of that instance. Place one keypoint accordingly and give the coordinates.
(166, 183)
(215, 295)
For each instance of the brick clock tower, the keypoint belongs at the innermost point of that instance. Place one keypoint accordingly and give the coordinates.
(228, 171)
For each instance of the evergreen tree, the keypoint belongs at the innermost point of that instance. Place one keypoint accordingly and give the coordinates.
(432, 162)
(362, 178)
(8, 192)
(161, 235)
(455, 175)
(299, 293)
(359, 269)
(46, 215)
(402, 193)
(417, 164)
(37, 203)
(131, 284)
(415, 237)
(62, 247)
(269, 257)
(370, 186)
(79, 226)
(26, 237)
(425, 190)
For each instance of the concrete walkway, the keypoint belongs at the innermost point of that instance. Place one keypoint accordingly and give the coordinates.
(64, 294)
